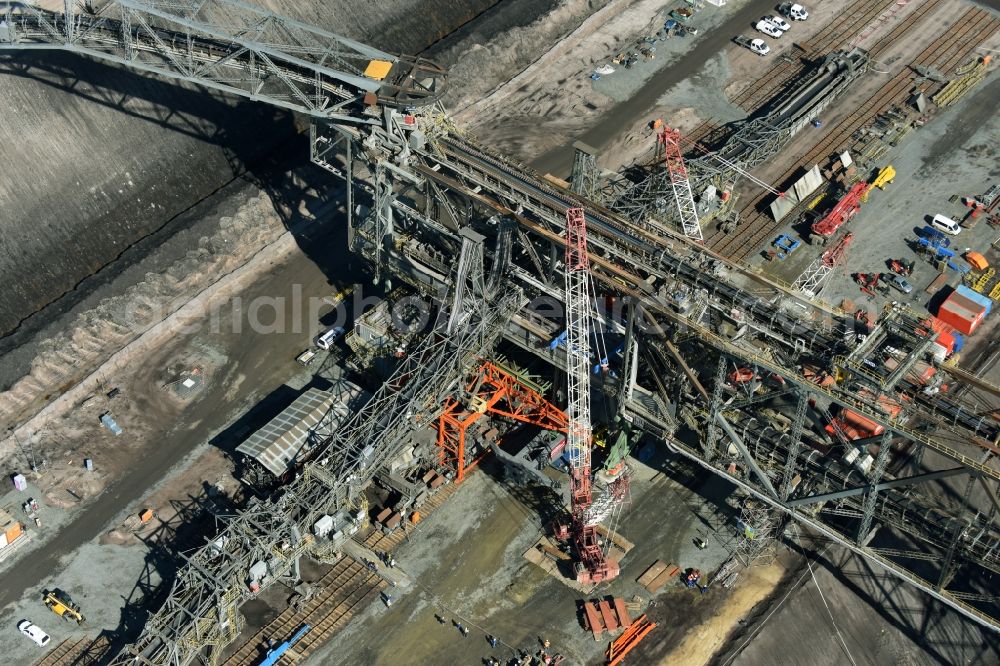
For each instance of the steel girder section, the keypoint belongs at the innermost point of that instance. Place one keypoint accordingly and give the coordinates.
(412, 397)
(585, 174)
(884, 485)
(234, 47)
(213, 584)
(494, 391)
(470, 281)
(750, 143)
(200, 612)
(920, 517)
(804, 336)
(501, 186)
(871, 495)
(874, 555)
(712, 427)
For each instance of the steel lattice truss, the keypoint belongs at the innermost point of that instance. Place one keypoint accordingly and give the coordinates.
(670, 140)
(815, 274)
(644, 194)
(626, 257)
(922, 515)
(233, 47)
(202, 611)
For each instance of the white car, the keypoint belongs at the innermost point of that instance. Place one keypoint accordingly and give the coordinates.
(795, 12)
(781, 23)
(326, 340)
(33, 632)
(768, 28)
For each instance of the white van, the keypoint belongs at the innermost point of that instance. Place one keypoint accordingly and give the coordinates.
(946, 224)
(326, 340)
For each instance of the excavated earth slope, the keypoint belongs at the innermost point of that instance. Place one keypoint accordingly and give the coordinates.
(101, 163)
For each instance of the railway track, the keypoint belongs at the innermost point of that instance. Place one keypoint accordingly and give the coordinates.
(84, 651)
(336, 596)
(943, 53)
(348, 585)
(64, 653)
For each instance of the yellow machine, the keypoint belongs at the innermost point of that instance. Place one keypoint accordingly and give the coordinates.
(60, 604)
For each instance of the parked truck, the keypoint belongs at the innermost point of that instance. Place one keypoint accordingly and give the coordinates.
(758, 46)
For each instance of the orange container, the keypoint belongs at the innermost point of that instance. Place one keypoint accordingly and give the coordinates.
(977, 261)
(13, 531)
(860, 423)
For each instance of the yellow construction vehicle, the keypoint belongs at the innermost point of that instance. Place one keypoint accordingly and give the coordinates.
(60, 604)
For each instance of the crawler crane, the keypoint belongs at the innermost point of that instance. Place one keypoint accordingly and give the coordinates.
(593, 565)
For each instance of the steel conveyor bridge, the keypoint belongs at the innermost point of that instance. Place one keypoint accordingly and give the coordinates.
(926, 507)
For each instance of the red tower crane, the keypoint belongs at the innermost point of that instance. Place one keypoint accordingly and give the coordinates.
(670, 142)
(593, 565)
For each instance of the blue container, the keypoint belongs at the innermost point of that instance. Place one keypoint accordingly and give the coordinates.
(975, 296)
(959, 342)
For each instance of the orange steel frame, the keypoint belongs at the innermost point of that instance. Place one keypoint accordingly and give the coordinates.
(495, 391)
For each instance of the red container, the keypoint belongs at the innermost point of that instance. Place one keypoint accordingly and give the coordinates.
(961, 312)
(965, 320)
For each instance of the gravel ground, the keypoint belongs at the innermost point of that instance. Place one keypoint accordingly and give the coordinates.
(467, 560)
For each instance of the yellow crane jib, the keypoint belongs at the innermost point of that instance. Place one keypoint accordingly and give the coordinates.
(885, 176)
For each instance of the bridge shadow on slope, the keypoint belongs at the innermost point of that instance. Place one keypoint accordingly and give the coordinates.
(946, 636)
(264, 147)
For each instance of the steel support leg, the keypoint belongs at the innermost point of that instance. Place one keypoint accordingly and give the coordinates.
(946, 568)
(631, 364)
(798, 422)
(712, 431)
(871, 495)
(383, 217)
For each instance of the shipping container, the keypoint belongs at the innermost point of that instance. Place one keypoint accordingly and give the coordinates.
(958, 299)
(947, 340)
(975, 297)
(963, 319)
(13, 531)
(961, 312)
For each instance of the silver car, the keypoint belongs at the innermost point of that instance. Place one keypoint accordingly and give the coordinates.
(781, 23)
(900, 283)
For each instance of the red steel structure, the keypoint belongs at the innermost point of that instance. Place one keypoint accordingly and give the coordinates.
(593, 566)
(845, 209)
(670, 143)
(496, 391)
